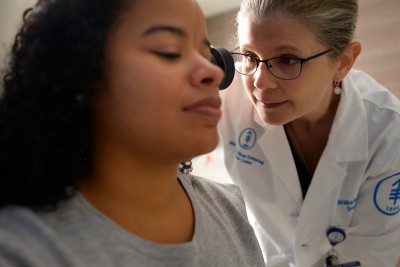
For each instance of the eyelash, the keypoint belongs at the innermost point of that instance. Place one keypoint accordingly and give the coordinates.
(250, 54)
(168, 55)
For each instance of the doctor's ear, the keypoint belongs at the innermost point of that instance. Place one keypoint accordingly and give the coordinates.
(347, 59)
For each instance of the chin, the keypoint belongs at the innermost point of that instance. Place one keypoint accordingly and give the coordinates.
(204, 145)
(208, 147)
(270, 119)
(275, 123)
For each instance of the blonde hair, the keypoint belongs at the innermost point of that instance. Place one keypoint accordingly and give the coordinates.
(333, 22)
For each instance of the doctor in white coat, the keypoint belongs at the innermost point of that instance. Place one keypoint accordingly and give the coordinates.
(313, 144)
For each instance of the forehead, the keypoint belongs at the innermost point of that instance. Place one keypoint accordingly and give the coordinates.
(274, 30)
(181, 13)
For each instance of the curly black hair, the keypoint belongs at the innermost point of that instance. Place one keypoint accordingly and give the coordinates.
(45, 119)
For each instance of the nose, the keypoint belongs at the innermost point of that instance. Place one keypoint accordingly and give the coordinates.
(207, 74)
(263, 78)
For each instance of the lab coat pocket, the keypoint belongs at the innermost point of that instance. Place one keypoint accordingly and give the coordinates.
(371, 250)
(353, 225)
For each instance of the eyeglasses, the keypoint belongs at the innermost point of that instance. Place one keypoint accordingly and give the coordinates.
(284, 68)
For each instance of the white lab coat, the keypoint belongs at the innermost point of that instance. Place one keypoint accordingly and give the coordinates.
(356, 184)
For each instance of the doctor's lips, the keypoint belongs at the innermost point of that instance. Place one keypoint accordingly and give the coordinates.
(208, 106)
(271, 105)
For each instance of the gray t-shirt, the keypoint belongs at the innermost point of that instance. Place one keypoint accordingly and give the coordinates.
(77, 234)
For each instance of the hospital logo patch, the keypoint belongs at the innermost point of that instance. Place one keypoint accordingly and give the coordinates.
(387, 195)
(247, 138)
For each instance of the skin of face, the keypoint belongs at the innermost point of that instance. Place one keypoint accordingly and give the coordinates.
(159, 100)
(278, 102)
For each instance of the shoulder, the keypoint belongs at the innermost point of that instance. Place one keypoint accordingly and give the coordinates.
(20, 222)
(222, 222)
(382, 116)
(225, 195)
(373, 93)
(380, 107)
(206, 187)
(25, 239)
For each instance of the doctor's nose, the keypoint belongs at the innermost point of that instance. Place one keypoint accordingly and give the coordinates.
(263, 78)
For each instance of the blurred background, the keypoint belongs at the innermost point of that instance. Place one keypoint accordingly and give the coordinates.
(378, 31)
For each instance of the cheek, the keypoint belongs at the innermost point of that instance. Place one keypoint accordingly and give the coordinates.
(133, 89)
(249, 87)
(125, 99)
(148, 105)
(312, 94)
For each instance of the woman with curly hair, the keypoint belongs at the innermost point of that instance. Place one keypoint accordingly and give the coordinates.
(102, 101)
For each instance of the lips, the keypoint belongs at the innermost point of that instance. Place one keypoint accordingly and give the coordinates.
(271, 105)
(209, 106)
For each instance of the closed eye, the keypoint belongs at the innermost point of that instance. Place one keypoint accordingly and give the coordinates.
(168, 55)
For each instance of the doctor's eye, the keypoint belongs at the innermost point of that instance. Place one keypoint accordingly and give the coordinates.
(249, 56)
(287, 60)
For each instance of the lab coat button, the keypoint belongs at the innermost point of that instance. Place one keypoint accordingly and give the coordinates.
(293, 217)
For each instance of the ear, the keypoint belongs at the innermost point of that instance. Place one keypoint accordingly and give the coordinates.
(346, 61)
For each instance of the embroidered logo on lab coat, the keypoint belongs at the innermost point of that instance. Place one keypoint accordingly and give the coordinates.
(246, 141)
(349, 205)
(387, 195)
(247, 138)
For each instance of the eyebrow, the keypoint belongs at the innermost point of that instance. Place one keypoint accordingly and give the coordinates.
(278, 49)
(179, 32)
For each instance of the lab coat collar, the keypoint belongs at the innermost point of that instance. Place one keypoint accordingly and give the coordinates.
(276, 148)
(348, 139)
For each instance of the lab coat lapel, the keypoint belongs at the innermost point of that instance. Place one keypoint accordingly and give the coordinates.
(276, 148)
(350, 121)
(327, 177)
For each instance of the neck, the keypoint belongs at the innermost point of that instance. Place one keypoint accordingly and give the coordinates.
(310, 136)
(135, 182)
(143, 196)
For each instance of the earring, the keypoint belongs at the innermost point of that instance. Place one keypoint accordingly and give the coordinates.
(185, 167)
(337, 90)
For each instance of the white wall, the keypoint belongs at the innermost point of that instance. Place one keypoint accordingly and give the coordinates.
(10, 19)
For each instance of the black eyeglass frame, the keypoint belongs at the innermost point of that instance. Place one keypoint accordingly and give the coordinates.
(302, 61)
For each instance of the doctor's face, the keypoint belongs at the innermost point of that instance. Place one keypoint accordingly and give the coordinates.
(281, 101)
(160, 94)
